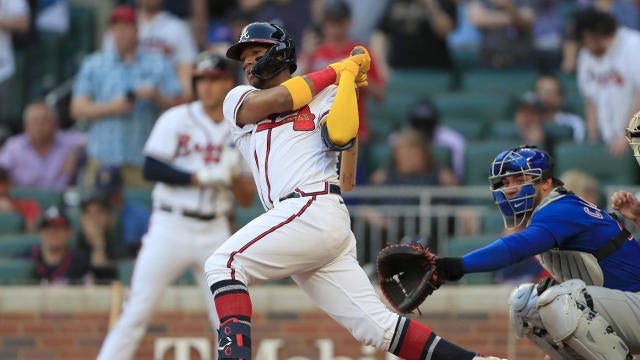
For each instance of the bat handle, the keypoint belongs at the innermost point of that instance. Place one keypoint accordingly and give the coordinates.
(357, 51)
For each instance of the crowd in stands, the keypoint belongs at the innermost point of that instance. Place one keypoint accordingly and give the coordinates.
(446, 75)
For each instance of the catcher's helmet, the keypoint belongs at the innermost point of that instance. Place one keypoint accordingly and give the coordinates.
(528, 161)
(281, 54)
(633, 135)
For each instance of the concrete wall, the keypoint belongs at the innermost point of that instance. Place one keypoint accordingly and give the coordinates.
(70, 323)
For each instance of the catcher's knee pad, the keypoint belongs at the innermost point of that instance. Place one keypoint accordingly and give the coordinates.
(565, 311)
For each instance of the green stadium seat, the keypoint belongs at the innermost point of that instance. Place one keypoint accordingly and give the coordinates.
(574, 103)
(46, 198)
(15, 244)
(420, 82)
(478, 157)
(393, 111)
(513, 82)
(443, 155)
(141, 195)
(16, 272)
(559, 133)
(461, 245)
(244, 215)
(470, 128)
(503, 130)
(11, 222)
(478, 106)
(47, 74)
(379, 156)
(595, 160)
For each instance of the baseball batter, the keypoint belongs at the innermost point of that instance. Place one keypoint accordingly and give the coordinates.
(592, 308)
(197, 170)
(291, 130)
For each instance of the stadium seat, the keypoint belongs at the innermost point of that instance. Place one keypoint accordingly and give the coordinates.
(244, 215)
(510, 82)
(12, 245)
(478, 106)
(421, 83)
(45, 198)
(574, 103)
(478, 158)
(81, 38)
(141, 195)
(595, 159)
(470, 128)
(503, 130)
(461, 245)
(11, 222)
(379, 156)
(443, 156)
(392, 112)
(558, 132)
(16, 272)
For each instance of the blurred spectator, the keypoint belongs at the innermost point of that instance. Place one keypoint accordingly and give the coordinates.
(207, 15)
(506, 27)
(222, 34)
(582, 184)
(625, 12)
(412, 35)
(413, 163)
(607, 78)
(14, 18)
(465, 37)
(550, 93)
(97, 240)
(548, 32)
(53, 16)
(162, 32)
(28, 208)
(121, 92)
(424, 117)
(528, 119)
(336, 45)
(55, 262)
(43, 157)
(293, 15)
(365, 16)
(130, 219)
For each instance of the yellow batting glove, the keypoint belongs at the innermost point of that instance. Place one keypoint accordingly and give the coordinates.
(360, 57)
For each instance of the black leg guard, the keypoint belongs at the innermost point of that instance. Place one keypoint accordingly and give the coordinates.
(234, 340)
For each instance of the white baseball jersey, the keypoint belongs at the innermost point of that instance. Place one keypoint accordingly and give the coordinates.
(612, 81)
(302, 154)
(166, 34)
(186, 138)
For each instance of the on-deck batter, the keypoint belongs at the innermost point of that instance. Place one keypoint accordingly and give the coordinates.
(197, 169)
(291, 131)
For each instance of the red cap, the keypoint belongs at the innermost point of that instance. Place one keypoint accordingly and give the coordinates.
(123, 13)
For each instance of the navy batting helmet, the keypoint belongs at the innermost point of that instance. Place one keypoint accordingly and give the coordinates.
(281, 54)
(214, 65)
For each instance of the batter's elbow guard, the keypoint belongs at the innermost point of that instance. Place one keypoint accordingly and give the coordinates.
(332, 145)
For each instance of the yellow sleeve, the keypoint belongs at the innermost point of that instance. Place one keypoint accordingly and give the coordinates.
(343, 120)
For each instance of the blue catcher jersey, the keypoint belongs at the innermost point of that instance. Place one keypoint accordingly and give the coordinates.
(575, 224)
(568, 223)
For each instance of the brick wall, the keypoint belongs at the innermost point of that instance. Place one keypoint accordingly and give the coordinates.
(69, 324)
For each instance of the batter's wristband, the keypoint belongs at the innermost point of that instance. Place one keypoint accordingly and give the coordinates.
(300, 91)
(450, 268)
(323, 78)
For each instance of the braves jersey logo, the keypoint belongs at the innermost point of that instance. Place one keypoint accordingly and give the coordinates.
(303, 120)
(611, 77)
(186, 147)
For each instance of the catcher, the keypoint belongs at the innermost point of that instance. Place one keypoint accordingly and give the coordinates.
(591, 307)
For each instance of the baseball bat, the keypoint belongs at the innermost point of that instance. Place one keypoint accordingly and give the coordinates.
(349, 158)
(116, 302)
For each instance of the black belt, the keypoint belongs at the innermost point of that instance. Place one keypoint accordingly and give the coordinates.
(190, 214)
(331, 189)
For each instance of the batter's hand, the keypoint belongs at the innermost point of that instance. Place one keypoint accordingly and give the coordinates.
(626, 204)
(358, 63)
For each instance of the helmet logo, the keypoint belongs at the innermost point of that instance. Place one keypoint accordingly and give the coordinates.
(245, 34)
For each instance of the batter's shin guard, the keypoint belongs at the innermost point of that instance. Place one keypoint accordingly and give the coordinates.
(234, 340)
(414, 341)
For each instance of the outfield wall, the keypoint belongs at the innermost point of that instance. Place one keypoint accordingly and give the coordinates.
(70, 323)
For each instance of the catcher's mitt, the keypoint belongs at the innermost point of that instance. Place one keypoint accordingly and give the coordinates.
(407, 275)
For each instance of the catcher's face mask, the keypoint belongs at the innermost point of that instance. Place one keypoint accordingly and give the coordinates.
(633, 135)
(511, 181)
